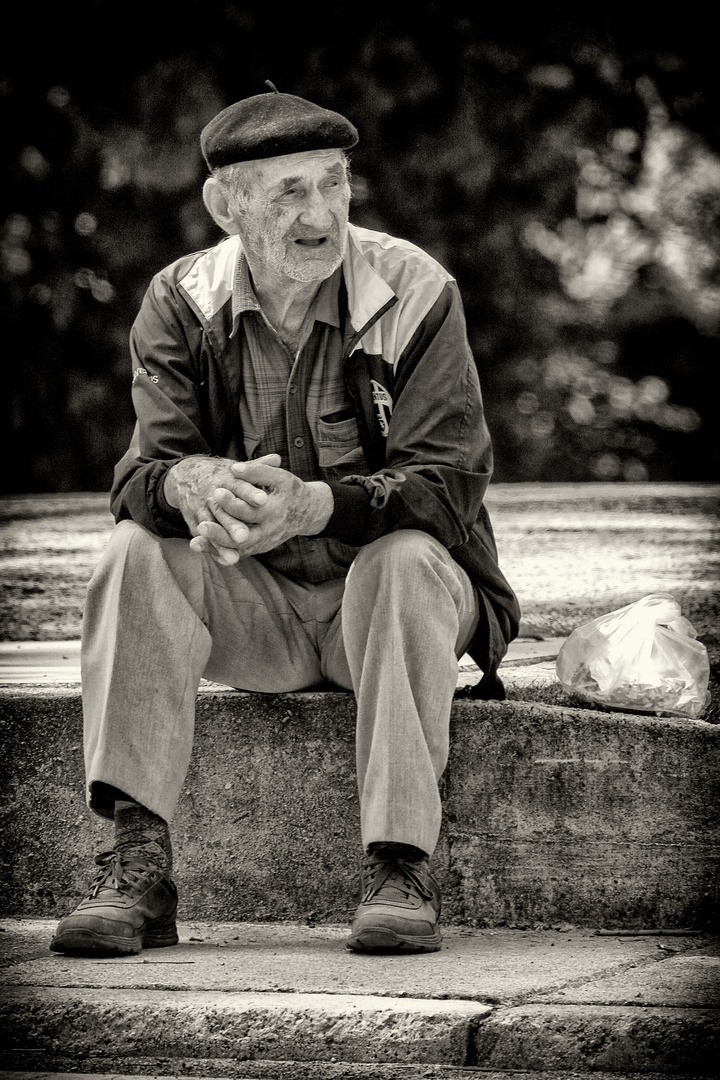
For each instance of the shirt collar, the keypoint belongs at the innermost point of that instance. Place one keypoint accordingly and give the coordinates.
(325, 307)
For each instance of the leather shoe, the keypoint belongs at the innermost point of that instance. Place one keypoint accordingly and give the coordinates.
(400, 906)
(131, 905)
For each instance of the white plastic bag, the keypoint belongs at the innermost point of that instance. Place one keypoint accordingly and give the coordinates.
(642, 658)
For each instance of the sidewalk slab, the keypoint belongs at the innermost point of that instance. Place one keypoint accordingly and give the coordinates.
(691, 981)
(488, 966)
(282, 993)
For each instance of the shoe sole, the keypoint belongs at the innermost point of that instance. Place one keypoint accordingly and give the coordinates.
(83, 941)
(385, 940)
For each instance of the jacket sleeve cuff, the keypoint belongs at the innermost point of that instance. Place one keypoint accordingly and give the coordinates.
(350, 518)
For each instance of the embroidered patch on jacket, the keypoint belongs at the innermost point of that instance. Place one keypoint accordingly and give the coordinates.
(383, 405)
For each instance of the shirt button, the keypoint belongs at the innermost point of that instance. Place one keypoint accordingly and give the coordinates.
(292, 388)
(312, 545)
(299, 441)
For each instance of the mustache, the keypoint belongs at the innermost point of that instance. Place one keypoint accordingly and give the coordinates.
(304, 233)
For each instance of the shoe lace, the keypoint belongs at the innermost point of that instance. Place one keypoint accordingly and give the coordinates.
(120, 871)
(395, 876)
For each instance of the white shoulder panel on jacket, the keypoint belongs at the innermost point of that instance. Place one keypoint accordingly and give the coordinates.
(378, 267)
(209, 281)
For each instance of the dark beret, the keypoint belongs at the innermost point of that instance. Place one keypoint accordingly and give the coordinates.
(269, 125)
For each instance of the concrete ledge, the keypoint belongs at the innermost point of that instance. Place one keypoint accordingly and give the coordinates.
(613, 1038)
(551, 814)
(59, 1068)
(307, 1027)
(326, 1027)
(205, 1069)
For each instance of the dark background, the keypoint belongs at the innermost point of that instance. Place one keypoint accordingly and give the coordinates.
(563, 164)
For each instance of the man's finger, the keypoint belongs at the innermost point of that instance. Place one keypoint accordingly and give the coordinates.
(240, 495)
(223, 555)
(239, 529)
(202, 514)
(273, 460)
(235, 509)
(226, 531)
(258, 473)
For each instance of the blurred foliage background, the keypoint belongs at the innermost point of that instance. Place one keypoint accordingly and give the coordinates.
(563, 164)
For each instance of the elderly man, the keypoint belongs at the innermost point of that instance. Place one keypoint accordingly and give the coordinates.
(301, 504)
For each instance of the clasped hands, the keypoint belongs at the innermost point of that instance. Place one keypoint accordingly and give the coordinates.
(235, 509)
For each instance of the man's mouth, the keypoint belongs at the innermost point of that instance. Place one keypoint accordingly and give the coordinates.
(308, 241)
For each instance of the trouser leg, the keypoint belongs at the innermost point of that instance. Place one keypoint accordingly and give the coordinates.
(143, 652)
(158, 617)
(409, 612)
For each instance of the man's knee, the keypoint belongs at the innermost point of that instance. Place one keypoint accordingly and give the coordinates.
(128, 539)
(135, 559)
(128, 542)
(408, 568)
(417, 576)
(136, 544)
(397, 551)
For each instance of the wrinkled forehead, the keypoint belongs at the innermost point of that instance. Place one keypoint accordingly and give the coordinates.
(268, 173)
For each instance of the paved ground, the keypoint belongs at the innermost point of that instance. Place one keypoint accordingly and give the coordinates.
(561, 999)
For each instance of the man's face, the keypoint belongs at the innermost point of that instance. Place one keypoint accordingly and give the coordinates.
(295, 223)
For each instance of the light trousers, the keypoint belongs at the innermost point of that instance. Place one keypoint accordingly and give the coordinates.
(159, 617)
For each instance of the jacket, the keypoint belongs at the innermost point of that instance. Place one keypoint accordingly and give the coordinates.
(413, 383)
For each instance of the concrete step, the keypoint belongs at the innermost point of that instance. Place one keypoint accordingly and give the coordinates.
(550, 813)
(286, 1000)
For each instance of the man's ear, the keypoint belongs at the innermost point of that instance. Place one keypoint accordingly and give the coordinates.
(217, 205)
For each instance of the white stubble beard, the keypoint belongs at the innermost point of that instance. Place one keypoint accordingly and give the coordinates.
(316, 269)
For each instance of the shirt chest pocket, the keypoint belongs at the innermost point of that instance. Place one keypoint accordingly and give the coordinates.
(338, 445)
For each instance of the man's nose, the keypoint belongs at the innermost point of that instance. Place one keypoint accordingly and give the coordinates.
(316, 212)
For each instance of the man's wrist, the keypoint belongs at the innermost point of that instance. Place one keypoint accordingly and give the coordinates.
(185, 474)
(321, 504)
(170, 489)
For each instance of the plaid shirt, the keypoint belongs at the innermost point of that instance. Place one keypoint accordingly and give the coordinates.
(297, 407)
